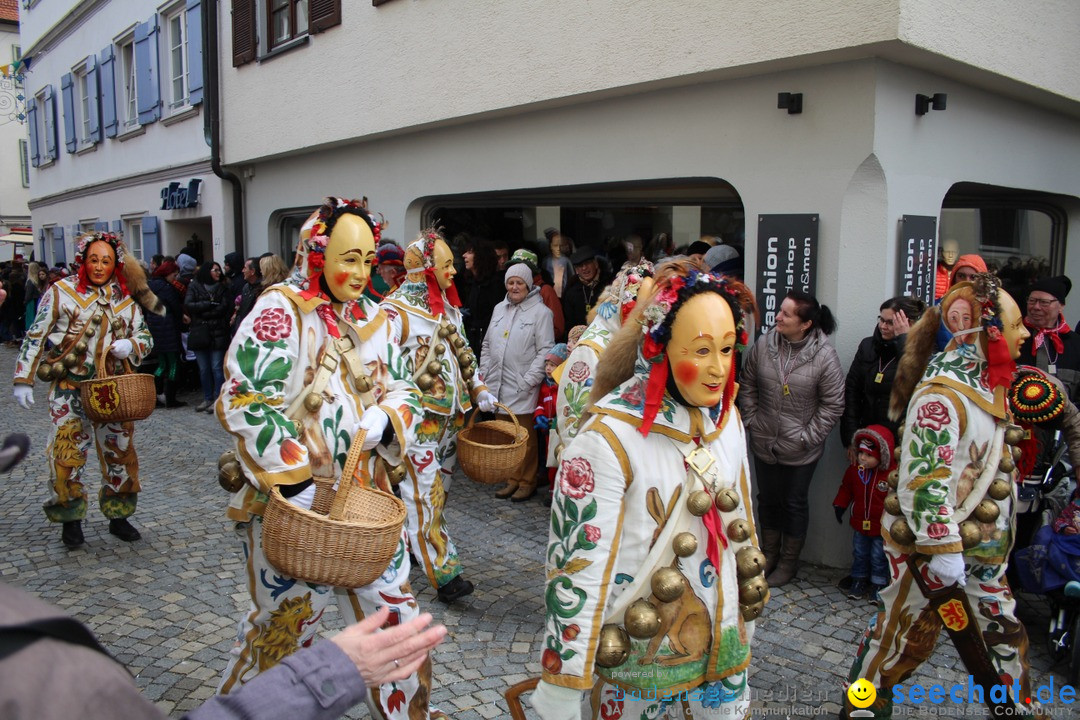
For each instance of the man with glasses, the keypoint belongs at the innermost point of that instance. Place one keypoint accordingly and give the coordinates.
(1053, 347)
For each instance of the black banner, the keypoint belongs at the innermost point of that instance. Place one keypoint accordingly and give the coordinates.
(786, 260)
(917, 257)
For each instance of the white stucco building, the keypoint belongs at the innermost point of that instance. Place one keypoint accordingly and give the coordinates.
(608, 116)
(14, 150)
(117, 127)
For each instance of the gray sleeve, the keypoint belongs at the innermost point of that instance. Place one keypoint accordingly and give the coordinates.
(317, 683)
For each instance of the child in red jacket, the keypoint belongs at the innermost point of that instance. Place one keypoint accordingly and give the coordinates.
(864, 488)
(544, 415)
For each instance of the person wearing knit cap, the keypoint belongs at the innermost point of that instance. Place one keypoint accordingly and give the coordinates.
(389, 271)
(425, 317)
(724, 260)
(187, 265)
(1053, 346)
(863, 489)
(547, 292)
(518, 338)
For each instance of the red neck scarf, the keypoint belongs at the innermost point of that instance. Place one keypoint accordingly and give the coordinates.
(435, 293)
(1039, 335)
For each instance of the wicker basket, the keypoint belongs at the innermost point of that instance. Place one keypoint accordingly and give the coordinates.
(490, 452)
(350, 547)
(117, 398)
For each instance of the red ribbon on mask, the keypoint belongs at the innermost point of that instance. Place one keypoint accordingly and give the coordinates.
(656, 385)
(435, 293)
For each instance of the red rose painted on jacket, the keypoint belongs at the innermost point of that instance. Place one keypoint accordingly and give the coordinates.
(579, 371)
(273, 324)
(576, 478)
(592, 533)
(933, 415)
(936, 531)
(946, 453)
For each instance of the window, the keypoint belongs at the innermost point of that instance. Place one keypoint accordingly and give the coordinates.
(178, 58)
(43, 128)
(24, 163)
(129, 110)
(133, 236)
(288, 20)
(82, 95)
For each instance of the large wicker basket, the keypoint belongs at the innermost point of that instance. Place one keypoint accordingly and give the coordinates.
(117, 398)
(350, 547)
(490, 452)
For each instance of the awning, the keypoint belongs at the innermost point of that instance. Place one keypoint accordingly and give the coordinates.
(12, 243)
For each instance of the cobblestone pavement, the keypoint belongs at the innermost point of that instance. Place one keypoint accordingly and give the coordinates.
(167, 606)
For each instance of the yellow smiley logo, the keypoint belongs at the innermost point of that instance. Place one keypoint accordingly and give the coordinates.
(861, 693)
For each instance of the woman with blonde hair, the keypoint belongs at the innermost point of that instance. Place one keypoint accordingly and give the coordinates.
(273, 269)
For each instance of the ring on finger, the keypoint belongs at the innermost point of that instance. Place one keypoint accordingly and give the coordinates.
(397, 663)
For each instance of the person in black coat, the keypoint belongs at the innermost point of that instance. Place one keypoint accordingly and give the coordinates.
(485, 290)
(209, 307)
(870, 377)
(1053, 346)
(583, 291)
(165, 330)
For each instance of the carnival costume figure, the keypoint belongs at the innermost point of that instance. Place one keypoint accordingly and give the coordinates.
(424, 315)
(82, 321)
(654, 579)
(312, 365)
(951, 517)
(575, 378)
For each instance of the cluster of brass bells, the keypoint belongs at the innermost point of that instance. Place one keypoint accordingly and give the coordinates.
(466, 360)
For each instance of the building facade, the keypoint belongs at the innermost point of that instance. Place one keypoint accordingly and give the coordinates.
(116, 128)
(14, 145)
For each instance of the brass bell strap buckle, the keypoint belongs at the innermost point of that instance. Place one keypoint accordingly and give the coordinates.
(700, 460)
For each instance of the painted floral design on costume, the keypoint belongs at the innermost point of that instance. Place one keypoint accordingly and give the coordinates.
(933, 415)
(576, 478)
(273, 324)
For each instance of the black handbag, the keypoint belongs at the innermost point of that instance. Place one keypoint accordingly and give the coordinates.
(200, 338)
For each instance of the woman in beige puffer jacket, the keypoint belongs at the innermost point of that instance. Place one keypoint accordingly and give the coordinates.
(791, 394)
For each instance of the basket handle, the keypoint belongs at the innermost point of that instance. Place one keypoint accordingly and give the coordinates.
(356, 449)
(512, 695)
(101, 367)
(517, 425)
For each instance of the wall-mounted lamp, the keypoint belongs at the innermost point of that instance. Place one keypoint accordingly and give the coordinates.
(792, 102)
(924, 103)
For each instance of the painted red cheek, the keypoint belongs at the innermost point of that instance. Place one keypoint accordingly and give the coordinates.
(340, 278)
(686, 372)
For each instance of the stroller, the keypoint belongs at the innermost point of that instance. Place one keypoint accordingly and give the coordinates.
(1047, 561)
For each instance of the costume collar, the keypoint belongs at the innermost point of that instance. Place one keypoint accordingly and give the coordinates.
(680, 422)
(965, 370)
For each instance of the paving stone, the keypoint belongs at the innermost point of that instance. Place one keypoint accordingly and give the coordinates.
(167, 605)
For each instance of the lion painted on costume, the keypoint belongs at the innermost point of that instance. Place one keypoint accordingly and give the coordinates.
(280, 638)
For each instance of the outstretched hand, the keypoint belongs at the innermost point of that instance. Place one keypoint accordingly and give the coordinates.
(383, 656)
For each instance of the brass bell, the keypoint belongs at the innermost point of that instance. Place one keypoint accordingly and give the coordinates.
(999, 489)
(738, 530)
(468, 372)
(458, 342)
(59, 371)
(90, 332)
(698, 503)
(667, 584)
(117, 325)
(612, 647)
(1017, 453)
(396, 473)
(1014, 435)
(99, 319)
(363, 383)
(313, 402)
(70, 360)
(1006, 465)
(727, 500)
(425, 381)
(443, 331)
(641, 619)
(80, 347)
(463, 358)
(434, 367)
(440, 348)
(901, 532)
(753, 590)
(892, 504)
(749, 562)
(226, 457)
(45, 372)
(894, 479)
(987, 511)
(899, 434)
(230, 477)
(684, 544)
(970, 534)
(751, 611)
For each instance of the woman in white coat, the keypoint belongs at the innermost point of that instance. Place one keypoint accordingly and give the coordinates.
(520, 333)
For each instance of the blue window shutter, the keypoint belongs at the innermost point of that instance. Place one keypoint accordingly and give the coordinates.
(107, 96)
(67, 89)
(59, 249)
(151, 243)
(118, 226)
(195, 51)
(148, 95)
(93, 91)
(35, 141)
(101, 226)
(52, 139)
